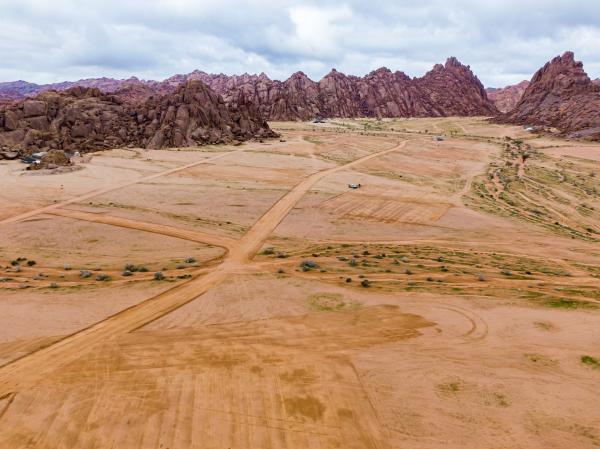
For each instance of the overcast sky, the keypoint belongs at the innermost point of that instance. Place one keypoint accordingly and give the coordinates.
(504, 41)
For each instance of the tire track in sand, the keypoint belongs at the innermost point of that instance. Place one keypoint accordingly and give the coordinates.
(104, 190)
(28, 369)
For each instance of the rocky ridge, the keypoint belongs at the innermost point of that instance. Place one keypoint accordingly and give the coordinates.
(561, 96)
(449, 89)
(86, 119)
(505, 99)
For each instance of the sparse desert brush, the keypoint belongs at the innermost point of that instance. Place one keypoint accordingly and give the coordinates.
(365, 283)
(102, 277)
(190, 260)
(590, 361)
(135, 268)
(269, 251)
(85, 274)
(159, 276)
(308, 264)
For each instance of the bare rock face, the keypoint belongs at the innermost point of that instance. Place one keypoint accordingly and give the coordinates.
(449, 89)
(505, 99)
(453, 90)
(561, 96)
(85, 119)
(196, 115)
(596, 81)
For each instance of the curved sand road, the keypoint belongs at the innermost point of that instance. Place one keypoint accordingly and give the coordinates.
(104, 190)
(29, 368)
(171, 231)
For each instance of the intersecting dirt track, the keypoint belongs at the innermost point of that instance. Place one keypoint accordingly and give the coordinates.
(407, 313)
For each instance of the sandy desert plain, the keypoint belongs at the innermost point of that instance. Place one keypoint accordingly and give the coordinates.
(453, 301)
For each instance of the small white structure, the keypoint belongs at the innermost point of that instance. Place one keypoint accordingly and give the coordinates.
(354, 186)
(39, 155)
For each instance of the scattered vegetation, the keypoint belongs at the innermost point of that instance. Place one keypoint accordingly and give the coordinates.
(590, 361)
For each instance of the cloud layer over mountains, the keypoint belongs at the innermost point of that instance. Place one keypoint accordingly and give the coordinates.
(503, 41)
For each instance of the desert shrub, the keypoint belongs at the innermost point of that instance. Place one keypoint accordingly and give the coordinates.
(67, 267)
(159, 276)
(590, 361)
(127, 273)
(135, 268)
(280, 271)
(31, 263)
(190, 260)
(268, 251)
(365, 283)
(102, 277)
(353, 262)
(481, 277)
(308, 264)
(54, 285)
(348, 280)
(407, 271)
(85, 274)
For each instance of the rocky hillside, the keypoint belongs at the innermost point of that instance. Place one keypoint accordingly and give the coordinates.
(560, 96)
(449, 89)
(506, 98)
(86, 119)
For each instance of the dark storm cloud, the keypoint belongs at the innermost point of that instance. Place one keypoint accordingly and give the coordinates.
(503, 41)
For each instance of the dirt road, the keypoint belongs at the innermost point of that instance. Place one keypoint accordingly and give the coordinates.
(111, 188)
(171, 231)
(28, 369)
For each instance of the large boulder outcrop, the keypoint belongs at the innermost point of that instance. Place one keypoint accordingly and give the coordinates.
(562, 96)
(85, 119)
(449, 89)
(506, 98)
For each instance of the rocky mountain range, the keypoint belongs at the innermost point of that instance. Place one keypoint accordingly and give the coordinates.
(87, 119)
(561, 96)
(506, 98)
(446, 90)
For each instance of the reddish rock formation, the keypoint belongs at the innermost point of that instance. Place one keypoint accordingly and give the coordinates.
(453, 89)
(85, 119)
(449, 89)
(596, 81)
(506, 98)
(561, 96)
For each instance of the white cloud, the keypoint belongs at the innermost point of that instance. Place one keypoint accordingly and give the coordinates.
(504, 41)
